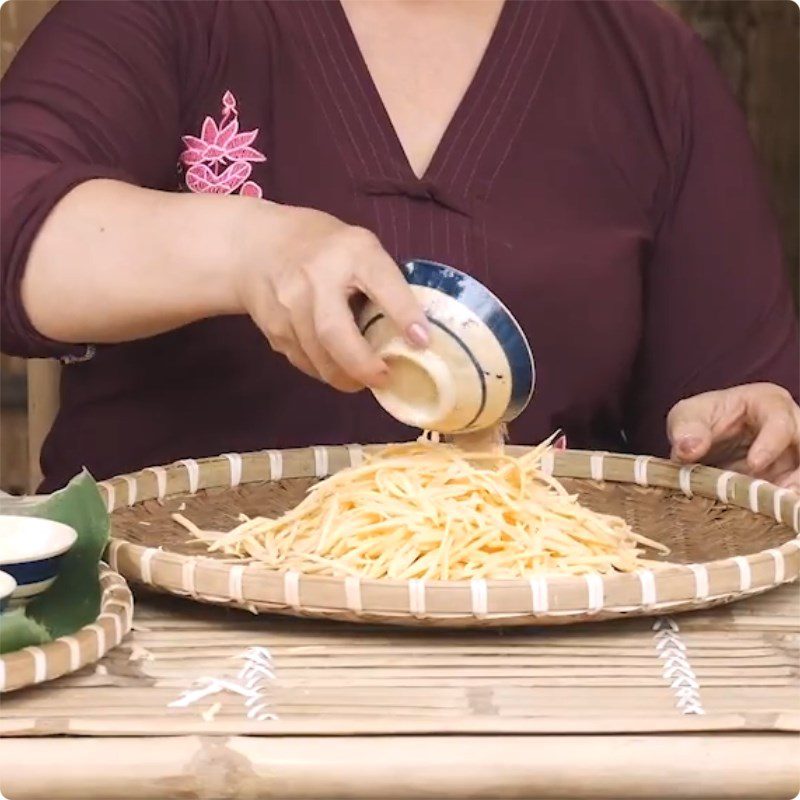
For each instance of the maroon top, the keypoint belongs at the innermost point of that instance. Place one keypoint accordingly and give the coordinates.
(597, 176)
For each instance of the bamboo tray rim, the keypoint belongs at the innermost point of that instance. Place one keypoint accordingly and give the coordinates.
(66, 654)
(553, 598)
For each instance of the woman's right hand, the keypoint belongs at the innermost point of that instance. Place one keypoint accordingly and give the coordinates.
(297, 272)
(114, 262)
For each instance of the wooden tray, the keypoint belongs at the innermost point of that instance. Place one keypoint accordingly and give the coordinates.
(730, 536)
(32, 665)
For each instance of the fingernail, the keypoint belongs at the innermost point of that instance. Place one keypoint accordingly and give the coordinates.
(417, 335)
(688, 444)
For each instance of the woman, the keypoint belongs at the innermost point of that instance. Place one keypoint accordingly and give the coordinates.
(194, 192)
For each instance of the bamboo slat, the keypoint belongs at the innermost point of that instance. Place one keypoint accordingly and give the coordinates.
(669, 767)
(732, 668)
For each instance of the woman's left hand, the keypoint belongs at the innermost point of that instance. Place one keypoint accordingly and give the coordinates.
(754, 429)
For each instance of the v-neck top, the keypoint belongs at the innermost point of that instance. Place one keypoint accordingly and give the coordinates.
(597, 176)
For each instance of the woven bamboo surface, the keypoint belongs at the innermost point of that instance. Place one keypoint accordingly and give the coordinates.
(733, 668)
(730, 537)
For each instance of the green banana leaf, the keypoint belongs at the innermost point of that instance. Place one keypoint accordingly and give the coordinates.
(74, 599)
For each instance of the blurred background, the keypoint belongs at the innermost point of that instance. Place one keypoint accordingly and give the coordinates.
(754, 41)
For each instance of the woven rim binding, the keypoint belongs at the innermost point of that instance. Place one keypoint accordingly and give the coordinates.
(540, 600)
(32, 665)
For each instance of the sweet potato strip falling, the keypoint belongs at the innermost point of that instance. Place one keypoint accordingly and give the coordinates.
(429, 510)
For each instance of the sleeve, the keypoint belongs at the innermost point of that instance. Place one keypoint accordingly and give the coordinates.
(92, 94)
(718, 310)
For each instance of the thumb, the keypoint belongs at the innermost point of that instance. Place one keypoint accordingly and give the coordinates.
(689, 428)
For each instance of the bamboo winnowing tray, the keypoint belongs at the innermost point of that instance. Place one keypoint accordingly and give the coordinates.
(33, 665)
(730, 535)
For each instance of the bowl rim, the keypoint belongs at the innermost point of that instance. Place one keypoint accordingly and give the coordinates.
(67, 539)
(8, 585)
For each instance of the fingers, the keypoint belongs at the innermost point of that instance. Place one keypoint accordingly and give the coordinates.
(777, 432)
(309, 338)
(383, 282)
(753, 428)
(315, 329)
(301, 300)
(298, 359)
(699, 425)
(780, 470)
(791, 481)
(367, 268)
(276, 325)
(286, 343)
(689, 428)
(339, 335)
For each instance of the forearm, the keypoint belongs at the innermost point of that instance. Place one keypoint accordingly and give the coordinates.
(114, 262)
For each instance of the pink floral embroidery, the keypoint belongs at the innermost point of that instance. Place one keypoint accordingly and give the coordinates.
(221, 159)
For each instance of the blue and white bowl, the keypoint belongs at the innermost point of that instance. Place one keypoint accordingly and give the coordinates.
(7, 586)
(478, 370)
(31, 552)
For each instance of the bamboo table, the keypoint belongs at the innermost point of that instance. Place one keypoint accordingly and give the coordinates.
(701, 705)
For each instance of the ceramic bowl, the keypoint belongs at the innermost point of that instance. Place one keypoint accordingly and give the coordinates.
(7, 586)
(478, 370)
(31, 552)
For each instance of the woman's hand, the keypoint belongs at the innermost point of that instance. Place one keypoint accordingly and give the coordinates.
(115, 262)
(754, 429)
(298, 270)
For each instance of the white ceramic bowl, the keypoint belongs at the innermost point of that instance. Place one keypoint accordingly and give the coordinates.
(7, 586)
(31, 552)
(478, 370)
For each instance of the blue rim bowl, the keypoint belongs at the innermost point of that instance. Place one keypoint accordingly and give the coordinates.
(7, 586)
(31, 552)
(476, 316)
